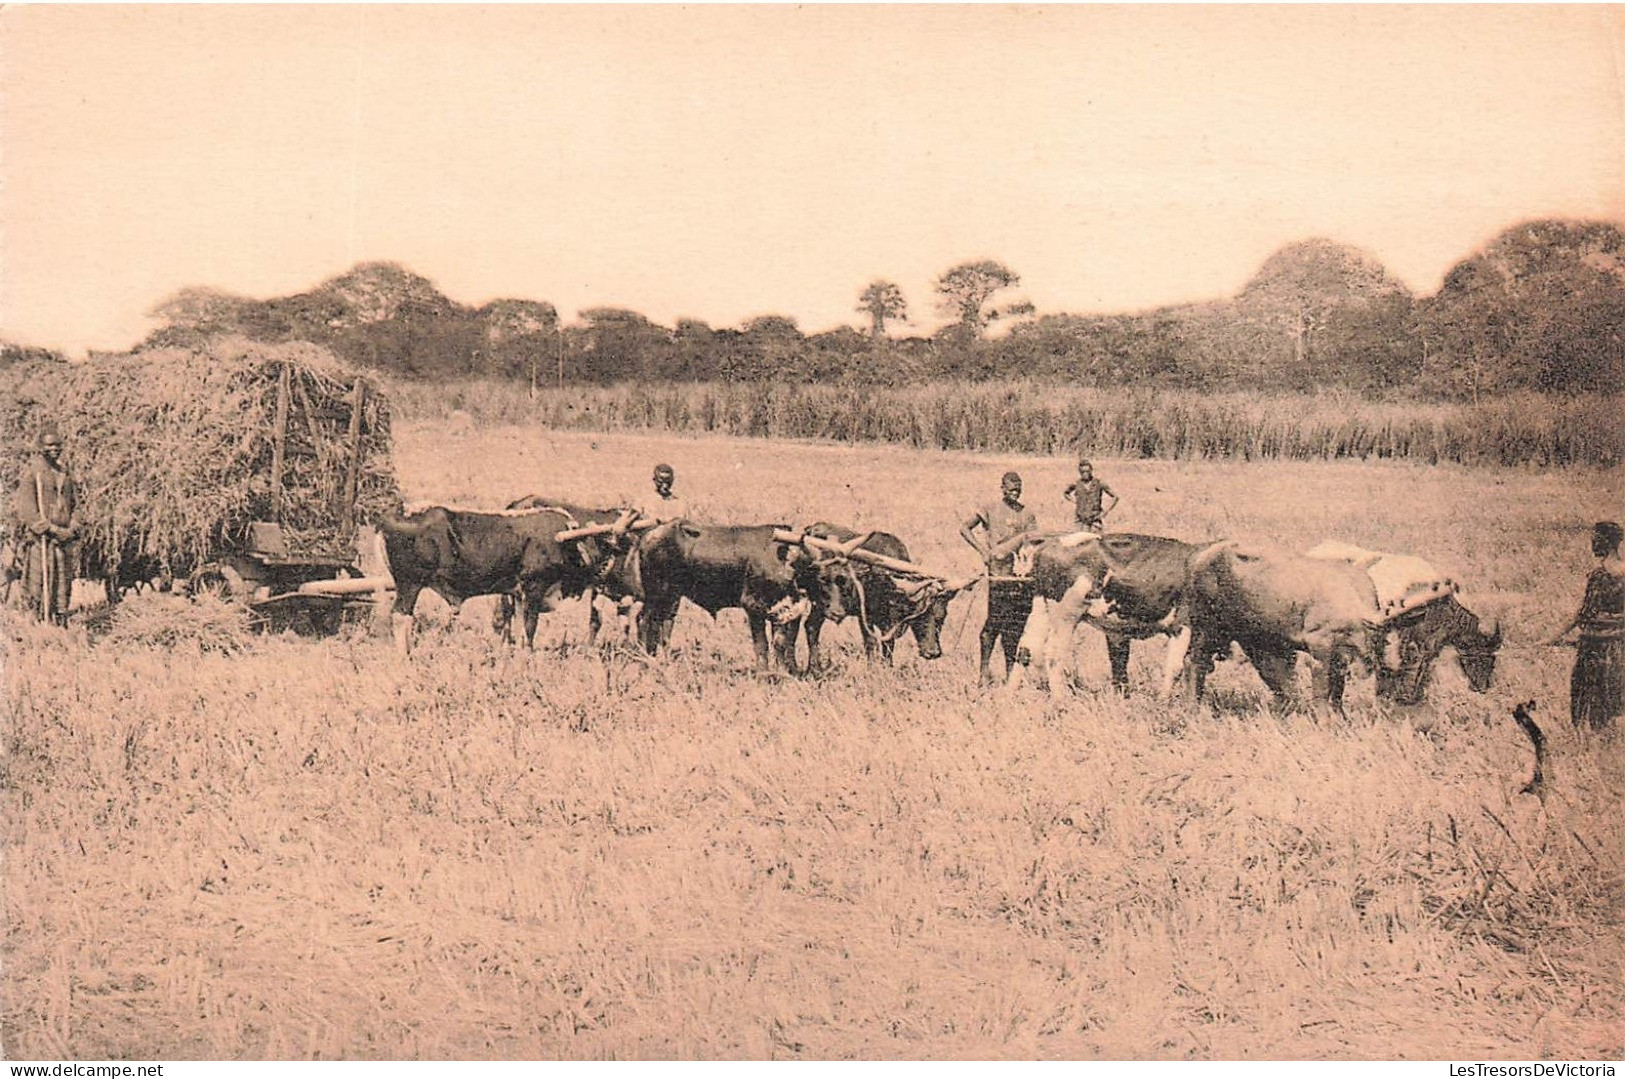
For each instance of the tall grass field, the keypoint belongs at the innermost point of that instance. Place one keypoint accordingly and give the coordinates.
(223, 845)
(1034, 418)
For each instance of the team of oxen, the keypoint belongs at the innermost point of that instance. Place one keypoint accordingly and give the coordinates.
(1392, 614)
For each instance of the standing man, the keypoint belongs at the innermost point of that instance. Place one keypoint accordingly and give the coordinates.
(45, 503)
(1088, 496)
(669, 507)
(1005, 525)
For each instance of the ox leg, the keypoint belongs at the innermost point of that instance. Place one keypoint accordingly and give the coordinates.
(1276, 667)
(502, 617)
(784, 647)
(887, 648)
(1173, 661)
(1117, 649)
(1332, 678)
(534, 603)
(814, 625)
(1201, 656)
(871, 643)
(1035, 632)
(655, 628)
(401, 620)
(758, 637)
(401, 624)
(1063, 629)
(595, 621)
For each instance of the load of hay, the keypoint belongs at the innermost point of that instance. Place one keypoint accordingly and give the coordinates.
(173, 449)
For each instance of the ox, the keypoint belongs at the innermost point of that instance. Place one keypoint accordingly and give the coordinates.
(619, 579)
(1274, 604)
(886, 606)
(1128, 586)
(721, 566)
(459, 554)
(1420, 610)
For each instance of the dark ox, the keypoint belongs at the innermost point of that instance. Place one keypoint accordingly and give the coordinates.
(721, 566)
(460, 554)
(1128, 586)
(619, 579)
(885, 605)
(1274, 604)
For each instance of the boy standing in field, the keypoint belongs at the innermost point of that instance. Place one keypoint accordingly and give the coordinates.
(1088, 497)
(669, 507)
(1006, 525)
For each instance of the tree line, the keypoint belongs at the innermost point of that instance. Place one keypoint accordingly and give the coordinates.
(1541, 307)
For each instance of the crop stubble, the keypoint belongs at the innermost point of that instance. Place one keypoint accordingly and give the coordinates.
(310, 849)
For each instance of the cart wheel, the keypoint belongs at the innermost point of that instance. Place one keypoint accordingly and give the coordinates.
(220, 581)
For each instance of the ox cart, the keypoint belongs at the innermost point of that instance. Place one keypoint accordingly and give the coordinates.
(315, 585)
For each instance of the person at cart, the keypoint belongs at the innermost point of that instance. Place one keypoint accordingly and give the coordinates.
(44, 505)
(998, 531)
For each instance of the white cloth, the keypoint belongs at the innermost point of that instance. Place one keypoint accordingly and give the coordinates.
(1402, 582)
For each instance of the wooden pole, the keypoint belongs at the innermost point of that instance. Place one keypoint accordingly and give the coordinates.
(826, 546)
(279, 440)
(352, 473)
(642, 524)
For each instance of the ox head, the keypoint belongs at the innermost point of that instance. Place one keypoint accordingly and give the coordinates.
(1443, 624)
(922, 606)
(1476, 652)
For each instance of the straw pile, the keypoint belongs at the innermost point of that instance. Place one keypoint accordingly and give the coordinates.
(172, 449)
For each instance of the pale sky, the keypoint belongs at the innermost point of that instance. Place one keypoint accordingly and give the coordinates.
(722, 162)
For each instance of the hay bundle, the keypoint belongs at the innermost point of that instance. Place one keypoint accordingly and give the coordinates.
(171, 622)
(173, 449)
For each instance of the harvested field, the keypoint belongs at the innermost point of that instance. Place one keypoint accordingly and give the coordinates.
(312, 849)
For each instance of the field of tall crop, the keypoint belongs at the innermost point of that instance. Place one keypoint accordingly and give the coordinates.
(220, 845)
(1035, 418)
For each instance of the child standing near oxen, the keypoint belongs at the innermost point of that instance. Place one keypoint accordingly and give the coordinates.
(1088, 497)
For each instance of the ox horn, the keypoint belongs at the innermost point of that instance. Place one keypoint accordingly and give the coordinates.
(855, 542)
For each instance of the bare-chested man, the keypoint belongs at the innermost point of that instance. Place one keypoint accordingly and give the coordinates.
(1005, 525)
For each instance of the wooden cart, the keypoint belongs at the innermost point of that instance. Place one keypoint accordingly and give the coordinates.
(309, 591)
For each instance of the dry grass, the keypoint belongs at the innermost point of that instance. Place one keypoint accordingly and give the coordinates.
(312, 850)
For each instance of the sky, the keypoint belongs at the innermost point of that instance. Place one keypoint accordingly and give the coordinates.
(724, 162)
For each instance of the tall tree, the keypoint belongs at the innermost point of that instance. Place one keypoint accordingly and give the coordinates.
(965, 290)
(191, 314)
(376, 292)
(618, 343)
(1541, 307)
(882, 300)
(1299, 288)
(521, 338)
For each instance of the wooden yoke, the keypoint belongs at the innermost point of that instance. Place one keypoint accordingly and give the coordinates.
(628, 522)
(846, 550)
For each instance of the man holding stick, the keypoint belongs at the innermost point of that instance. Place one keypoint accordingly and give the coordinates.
(45, 503)
(1006, 525)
